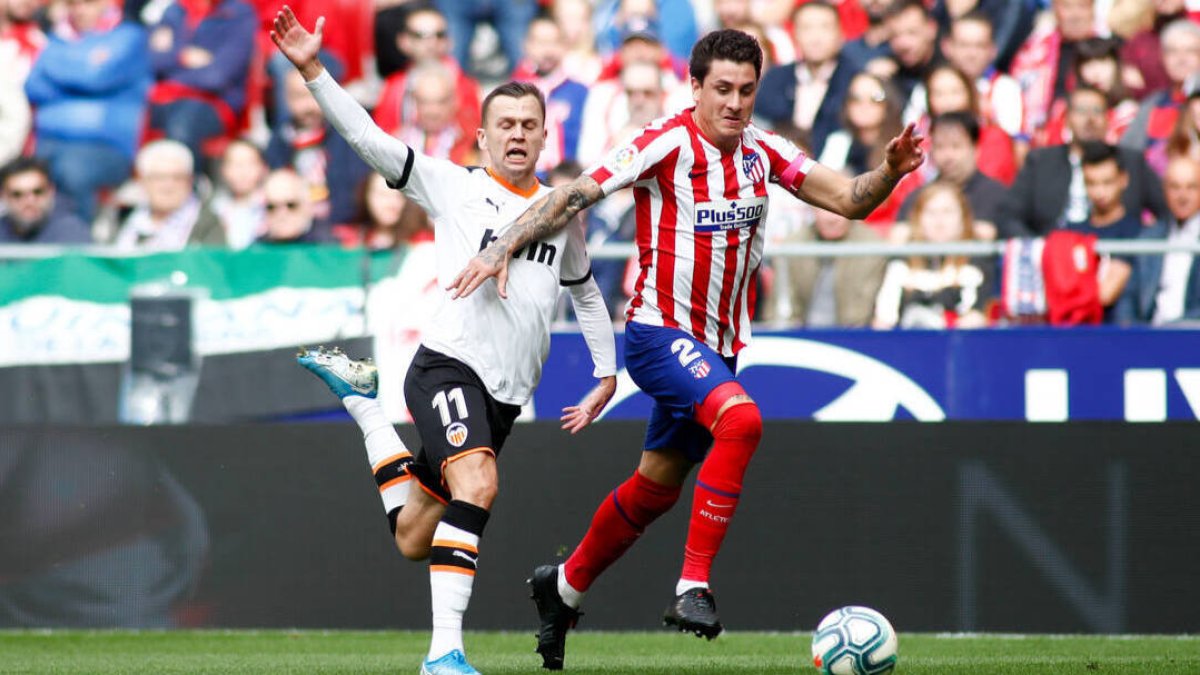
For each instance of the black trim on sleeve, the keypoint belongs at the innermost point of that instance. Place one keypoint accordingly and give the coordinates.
(408, 163)
(576, 282)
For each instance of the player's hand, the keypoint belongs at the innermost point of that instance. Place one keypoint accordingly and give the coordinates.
(904, 153)
(576, 417)
(490, 262)
(296, 43)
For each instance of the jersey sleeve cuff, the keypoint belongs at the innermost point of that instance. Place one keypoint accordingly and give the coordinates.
(408, 165)
(576, 282)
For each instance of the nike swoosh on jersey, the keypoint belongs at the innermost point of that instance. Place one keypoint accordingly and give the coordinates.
(718, 506)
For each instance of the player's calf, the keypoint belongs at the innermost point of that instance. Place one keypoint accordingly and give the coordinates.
(356, 383)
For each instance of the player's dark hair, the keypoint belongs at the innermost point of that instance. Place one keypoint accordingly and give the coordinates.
(903, 6)
(514, 90)
(1099, 152)
(958, 118)
(725, 45)
(25, 165)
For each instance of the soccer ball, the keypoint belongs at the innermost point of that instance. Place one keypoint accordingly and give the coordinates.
(854, 641)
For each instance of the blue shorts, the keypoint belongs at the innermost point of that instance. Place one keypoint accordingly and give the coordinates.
(678, 372)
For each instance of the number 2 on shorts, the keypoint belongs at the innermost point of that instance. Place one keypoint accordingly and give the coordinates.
(686, 350)
(442, 402)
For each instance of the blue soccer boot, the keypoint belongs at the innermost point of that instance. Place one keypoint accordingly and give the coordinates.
(343, 375)
(454, 663)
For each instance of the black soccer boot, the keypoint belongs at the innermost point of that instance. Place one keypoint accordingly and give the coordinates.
(556, 617)
(694, 611)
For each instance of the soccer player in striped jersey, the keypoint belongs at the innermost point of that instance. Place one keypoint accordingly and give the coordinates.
(479, 360)
(699, 182)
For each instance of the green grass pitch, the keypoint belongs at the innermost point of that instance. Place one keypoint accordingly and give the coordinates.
(588, 653)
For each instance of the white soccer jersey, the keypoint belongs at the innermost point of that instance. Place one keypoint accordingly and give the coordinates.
(505, 341)
(699, 216)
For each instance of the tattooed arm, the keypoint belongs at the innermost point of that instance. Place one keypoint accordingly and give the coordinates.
(857, 197)
(547, 216)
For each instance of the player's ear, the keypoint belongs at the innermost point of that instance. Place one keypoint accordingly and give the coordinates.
(481, 139)
(696, 86)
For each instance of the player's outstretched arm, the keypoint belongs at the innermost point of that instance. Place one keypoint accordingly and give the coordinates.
(297, 44)
(545, 217)
(857, 197)
(383, 152)
(576, 417)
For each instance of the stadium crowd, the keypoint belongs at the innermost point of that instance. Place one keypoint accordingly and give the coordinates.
(153, 125)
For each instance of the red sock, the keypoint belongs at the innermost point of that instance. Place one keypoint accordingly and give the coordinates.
(620, 520)
(718, 487)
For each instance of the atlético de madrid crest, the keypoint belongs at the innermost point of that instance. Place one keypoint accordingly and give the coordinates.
(752, 166)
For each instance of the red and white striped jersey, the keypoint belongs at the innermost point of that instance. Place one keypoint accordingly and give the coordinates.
(699, 215)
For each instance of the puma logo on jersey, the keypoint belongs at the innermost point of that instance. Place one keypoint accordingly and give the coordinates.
(538, 251)
(466, 557)
(723, 214)
(493, 204)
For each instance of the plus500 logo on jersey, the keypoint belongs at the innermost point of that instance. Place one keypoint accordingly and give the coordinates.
(724, 214)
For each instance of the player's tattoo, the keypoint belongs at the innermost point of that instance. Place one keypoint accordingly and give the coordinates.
(870, 189)
(549, 215)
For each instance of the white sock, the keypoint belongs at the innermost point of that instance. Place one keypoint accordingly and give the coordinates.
(685, 585)
(383, 447)
(570, 596)
(450, 585)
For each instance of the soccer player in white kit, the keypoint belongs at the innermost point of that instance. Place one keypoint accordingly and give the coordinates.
(479, 360)
(699, 183)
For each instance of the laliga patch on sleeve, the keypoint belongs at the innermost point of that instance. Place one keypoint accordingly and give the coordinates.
(623, 158)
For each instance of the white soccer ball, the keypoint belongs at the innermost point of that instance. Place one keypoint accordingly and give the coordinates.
(854, 641)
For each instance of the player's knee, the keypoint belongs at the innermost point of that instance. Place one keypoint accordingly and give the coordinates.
(479, 493)
(473, 479)
(741, 422)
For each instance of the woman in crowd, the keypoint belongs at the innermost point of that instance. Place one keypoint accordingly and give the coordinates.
(1097, 64)
(870, 116)
(386, 218)
(238, 199)
(937, 291)
(947, 89)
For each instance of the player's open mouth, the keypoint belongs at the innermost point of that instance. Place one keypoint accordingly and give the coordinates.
(516, 153)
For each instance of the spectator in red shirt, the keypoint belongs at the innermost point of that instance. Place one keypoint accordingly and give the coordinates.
(426, 37)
